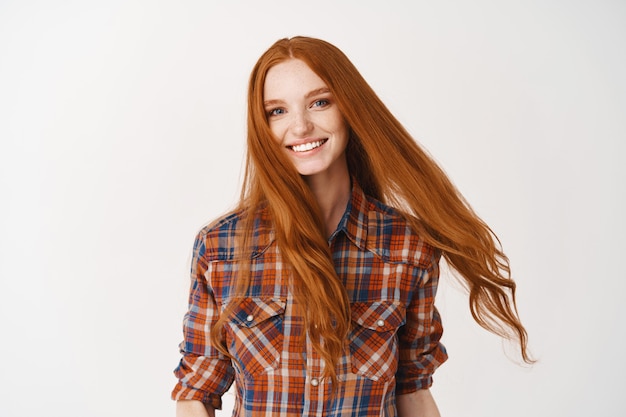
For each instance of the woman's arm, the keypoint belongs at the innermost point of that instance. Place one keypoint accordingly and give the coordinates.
(203, 373)
(193, 408)
(417, 404)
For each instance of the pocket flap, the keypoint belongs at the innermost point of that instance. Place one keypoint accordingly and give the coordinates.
(255, 310)
(381, 316)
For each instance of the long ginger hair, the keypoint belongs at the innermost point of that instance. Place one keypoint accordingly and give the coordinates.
(390, 166)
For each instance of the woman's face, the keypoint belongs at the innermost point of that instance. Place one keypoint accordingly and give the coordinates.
(305, 119)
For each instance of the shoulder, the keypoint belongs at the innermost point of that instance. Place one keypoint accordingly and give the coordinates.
(391, 236)
(219, 239)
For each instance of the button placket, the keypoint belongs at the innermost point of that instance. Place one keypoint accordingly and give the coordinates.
(315, 391)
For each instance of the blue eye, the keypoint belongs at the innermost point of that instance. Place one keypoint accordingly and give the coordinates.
(275, 112)
(320, 103)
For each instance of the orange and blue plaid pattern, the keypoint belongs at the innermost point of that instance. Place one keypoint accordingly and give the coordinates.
(394, 347)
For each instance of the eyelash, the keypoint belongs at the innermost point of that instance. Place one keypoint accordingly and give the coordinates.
(272, 112)
(322, 102)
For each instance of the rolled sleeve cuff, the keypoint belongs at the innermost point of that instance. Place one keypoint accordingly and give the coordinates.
(416, 375)
(182, 392)
(203, 379)
(407, 387)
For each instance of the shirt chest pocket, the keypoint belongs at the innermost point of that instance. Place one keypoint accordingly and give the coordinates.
(256, 334)
(373, 339)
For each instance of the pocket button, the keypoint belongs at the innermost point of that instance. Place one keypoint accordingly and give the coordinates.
(380, 323)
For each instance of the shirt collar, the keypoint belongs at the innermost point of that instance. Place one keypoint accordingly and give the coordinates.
(354, 222)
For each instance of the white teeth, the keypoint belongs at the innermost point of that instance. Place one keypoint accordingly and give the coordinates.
(307, 146)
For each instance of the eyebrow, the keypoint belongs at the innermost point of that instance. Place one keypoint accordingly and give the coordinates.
(312, 93)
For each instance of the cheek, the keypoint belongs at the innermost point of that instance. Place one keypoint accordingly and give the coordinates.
(342, 129)
(339, 124)
(277, 130)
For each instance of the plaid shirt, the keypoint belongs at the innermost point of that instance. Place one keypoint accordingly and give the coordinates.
(391, 278)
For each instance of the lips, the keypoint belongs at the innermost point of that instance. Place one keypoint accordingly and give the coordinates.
(309, 146)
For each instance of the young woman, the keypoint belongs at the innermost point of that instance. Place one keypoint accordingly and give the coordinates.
(316, 295)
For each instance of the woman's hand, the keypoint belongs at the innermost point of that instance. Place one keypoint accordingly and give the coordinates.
(417, 404)
(193, 408)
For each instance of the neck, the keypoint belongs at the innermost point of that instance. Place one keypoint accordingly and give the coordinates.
(332, 194)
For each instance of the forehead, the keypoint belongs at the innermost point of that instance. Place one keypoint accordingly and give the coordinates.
(291, 77)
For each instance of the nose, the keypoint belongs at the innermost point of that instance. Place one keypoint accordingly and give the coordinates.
(301, 124)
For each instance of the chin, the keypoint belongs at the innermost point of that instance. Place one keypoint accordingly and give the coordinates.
(308, 171)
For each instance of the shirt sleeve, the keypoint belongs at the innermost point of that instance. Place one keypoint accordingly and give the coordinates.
(421, 351)
(203, 373)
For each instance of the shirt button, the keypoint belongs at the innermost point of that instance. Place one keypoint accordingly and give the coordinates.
(380, 323)
(250, 318)
(315, 382)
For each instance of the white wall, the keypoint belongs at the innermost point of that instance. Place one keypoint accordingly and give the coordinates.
(121, 134)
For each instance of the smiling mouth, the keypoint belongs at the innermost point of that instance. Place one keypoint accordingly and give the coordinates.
(305, 147)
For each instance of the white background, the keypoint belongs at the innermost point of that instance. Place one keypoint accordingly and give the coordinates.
(122, 129)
